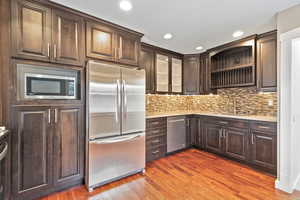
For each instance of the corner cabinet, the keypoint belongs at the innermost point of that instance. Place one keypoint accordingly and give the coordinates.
(48, 149)
(267, 62)
(107, 43)
(45, 34)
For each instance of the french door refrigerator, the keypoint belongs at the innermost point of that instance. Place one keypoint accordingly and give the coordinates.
(115, 123)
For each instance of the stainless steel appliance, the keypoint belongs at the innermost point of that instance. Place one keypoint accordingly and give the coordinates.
(4, 164)
(176, 133)
(40, 82)
(116, 123)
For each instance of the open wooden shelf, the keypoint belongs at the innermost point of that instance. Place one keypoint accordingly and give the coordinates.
(233, 68)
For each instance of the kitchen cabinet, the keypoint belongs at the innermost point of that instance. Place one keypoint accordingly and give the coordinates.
(156, 138)
(42, 33)
(264, 145)
(267, 62)
(235, 145)
(191, 75)
(194, 132)
(107, 43)
(205, 86)
(68, 38)
(176, 75)
(68, 145)
(162, 73)
(48, 147)
(213, 138)
(147, 59)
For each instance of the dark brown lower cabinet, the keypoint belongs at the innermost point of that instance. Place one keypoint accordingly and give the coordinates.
(47, 150)
(263, 149)
(213, 138)
(194, 137)
(236, 143)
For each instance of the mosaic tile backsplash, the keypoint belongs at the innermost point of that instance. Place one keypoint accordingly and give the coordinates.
(240, 101)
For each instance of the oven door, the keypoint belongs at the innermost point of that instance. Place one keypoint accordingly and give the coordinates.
(38, 86)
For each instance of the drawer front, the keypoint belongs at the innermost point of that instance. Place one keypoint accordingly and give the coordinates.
(236, 123)
(156, 141)
(270, 127)
(155, 153)
(155, 123)
(150, 133)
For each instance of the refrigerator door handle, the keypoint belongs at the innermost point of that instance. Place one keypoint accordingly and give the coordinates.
(124, 99)
(116, 140)
(118, 102)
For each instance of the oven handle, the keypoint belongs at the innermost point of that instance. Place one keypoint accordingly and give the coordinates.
(4, 152)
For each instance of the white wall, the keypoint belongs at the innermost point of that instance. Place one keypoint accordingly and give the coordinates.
(289, 95)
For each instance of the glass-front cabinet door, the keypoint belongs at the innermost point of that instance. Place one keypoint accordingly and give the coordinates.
(176, 75)
(162, 73)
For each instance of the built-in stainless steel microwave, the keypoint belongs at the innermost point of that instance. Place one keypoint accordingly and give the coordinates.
(39, 82)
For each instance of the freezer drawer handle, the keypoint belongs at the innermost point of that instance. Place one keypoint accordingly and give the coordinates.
(4, 152)
(110, 141)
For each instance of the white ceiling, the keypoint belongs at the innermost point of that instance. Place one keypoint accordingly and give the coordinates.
(192, 22)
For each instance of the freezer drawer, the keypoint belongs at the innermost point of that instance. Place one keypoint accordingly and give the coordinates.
(114, 158)
(176, 133)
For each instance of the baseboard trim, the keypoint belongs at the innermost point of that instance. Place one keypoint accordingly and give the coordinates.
(284, 187)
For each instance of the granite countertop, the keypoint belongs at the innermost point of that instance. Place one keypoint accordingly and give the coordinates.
(245, 117)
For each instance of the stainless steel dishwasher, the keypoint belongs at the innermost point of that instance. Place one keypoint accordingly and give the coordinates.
(176, 133)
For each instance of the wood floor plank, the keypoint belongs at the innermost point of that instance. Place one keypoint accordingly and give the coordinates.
(188, 175)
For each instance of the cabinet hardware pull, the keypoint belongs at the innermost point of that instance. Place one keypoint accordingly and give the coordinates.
(155, 131)
(224, 133)
(252, 139)
(221, 122)
(220, 133)
(155, 141)
(55, 117)
(155, 152)
(48, 49)
(55, 51)
(49, 116)
(264, 127)
(155, 123)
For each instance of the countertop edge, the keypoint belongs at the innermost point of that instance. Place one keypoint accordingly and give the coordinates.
(213, 115)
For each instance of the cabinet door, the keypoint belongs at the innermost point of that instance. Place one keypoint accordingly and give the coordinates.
(236, 143)
(176, 72)
(68, 145)
(128, 49)
(147, 63)
(204, 74)
(100, 41)
(213, 138)
(191, 75)
(31, 152)
(267, 63)
(193, 131)
(67, 34)
(31, 30)
(263, 149)
(162, 73)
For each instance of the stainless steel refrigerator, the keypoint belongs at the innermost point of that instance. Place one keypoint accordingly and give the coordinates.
(115, 123)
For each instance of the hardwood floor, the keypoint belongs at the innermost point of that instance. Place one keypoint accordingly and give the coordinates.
(189, 175)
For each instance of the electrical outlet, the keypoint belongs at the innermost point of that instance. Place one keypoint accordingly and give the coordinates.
(270, 102)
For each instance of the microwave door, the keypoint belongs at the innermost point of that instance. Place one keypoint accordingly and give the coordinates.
(104, 100)
(133, 101)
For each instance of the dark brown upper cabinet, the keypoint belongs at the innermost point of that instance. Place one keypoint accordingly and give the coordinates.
(100, 41)
(233, 64)
(106, 43)
(191, 74)
(128, 49)
(147, 58)
(31, 30)
(267, 62)
(46, 34)
(68, 38)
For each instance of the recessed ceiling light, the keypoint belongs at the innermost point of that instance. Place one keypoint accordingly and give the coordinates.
(199, 48)
(238, 34)
(168, 36)
(125, 5)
